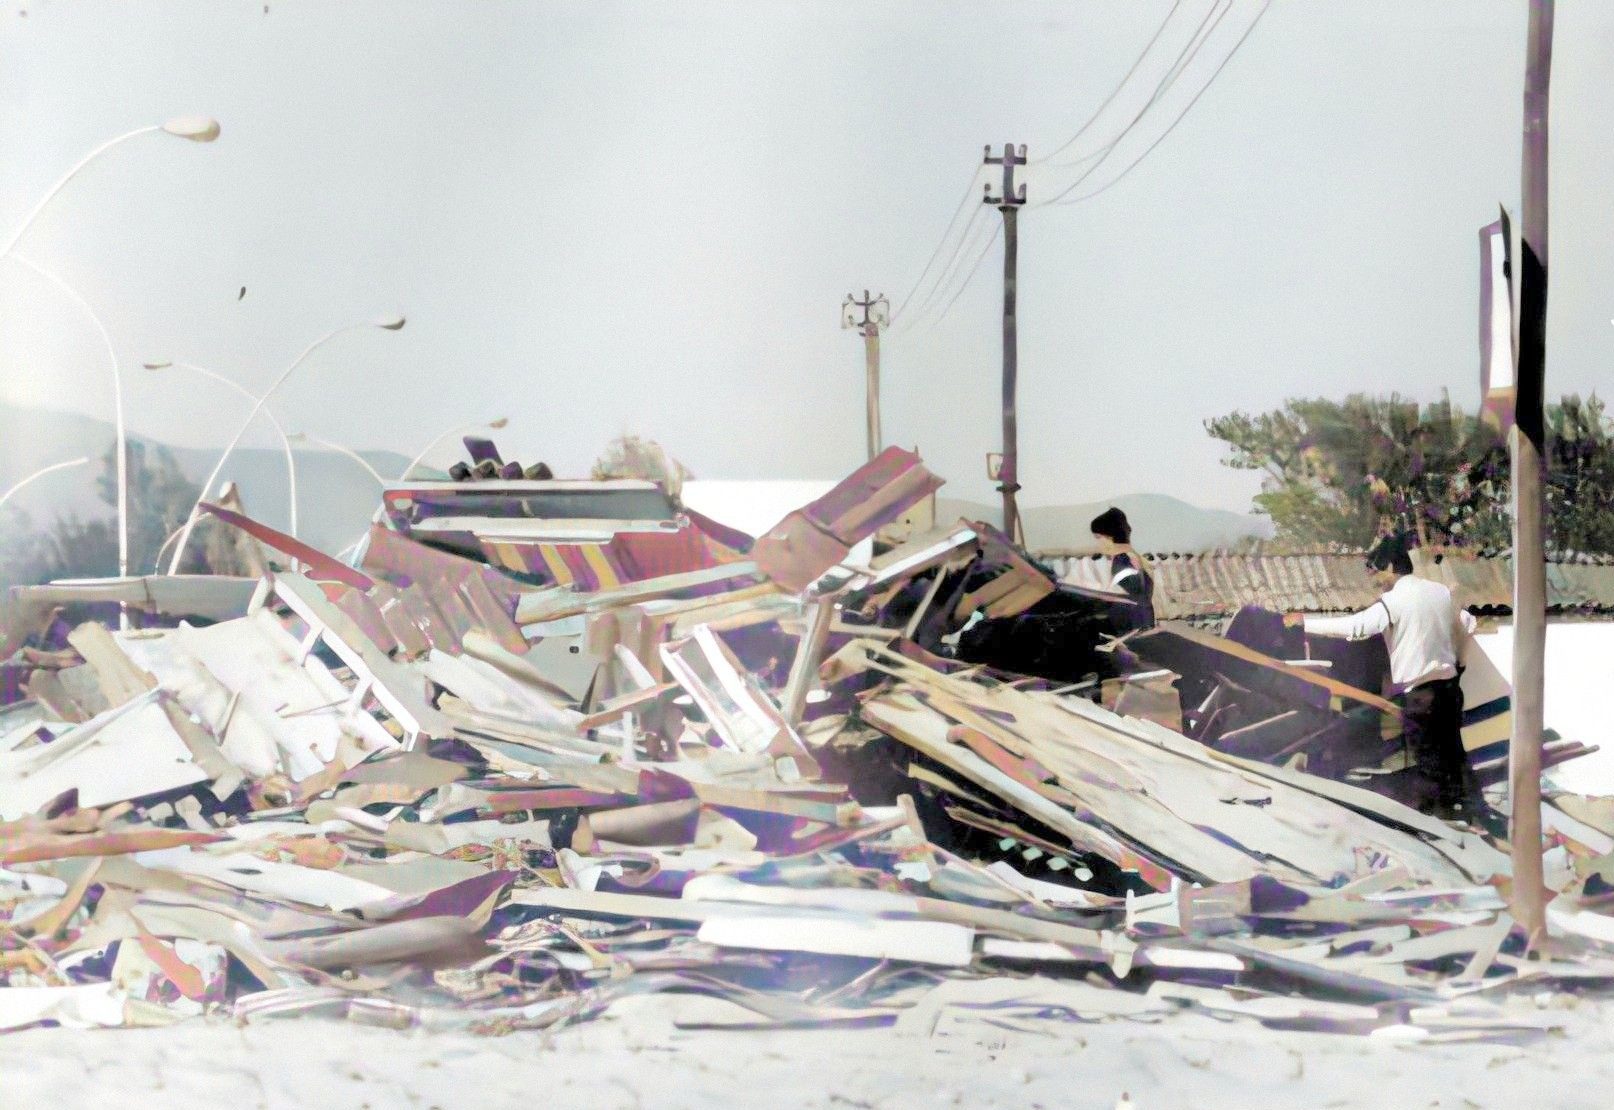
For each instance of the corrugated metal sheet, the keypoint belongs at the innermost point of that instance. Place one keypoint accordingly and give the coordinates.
(1217, 584)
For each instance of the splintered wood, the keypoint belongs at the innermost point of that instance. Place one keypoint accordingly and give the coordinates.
(444, 790)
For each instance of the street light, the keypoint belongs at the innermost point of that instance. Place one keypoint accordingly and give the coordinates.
(285, 440)
(307, 437)
(387, 323)
(120, 437)
(426, 450)
(199, 129)
(40, 473)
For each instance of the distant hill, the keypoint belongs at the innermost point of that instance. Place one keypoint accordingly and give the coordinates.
(1160, 523)
(335, 496)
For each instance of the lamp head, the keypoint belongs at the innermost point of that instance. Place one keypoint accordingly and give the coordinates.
(198, 129)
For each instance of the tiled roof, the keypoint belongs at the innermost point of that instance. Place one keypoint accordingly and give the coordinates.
(1220, 583)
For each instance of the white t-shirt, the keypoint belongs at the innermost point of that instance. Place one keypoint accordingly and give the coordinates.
(1421, 622)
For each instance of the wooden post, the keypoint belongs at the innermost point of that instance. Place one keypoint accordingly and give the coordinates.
(871, 366)
(1009, 482)
(876, 314)
(1526, 441)
(1009, 204)
(804, 668)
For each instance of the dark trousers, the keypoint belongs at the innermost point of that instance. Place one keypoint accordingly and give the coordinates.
(1432, 723)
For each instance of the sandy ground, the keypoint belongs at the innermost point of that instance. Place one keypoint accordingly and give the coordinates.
(634, 1057)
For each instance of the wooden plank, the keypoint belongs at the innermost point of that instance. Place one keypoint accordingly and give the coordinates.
(122, 680)
(320, 564)
(804, 667)
(919, 727)
(551, 605)
(839, 814)
(397, 688)
(937, 943)
(1174, 795)
(1227, 648)
(47, 688)
(1377, 806)
(1110, 783)
(739, 711)
(614, 708)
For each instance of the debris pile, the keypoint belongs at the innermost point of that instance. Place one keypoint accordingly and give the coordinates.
(513, 766)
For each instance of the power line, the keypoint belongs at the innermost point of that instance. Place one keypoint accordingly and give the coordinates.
(1206, 29)
(963, 203)
(944, 277)
(1063, 198)
(940, 282)
(976, 250)
(1108, 100)
(1185, 58)
(975, 268)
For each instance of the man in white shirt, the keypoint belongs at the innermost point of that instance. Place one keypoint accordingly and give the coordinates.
(1425, 630)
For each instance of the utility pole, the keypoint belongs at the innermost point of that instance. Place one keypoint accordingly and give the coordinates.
(876, 315)
(1527, 440)
(1008, 203)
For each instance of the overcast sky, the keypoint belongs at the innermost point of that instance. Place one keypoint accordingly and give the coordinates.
(641, 217)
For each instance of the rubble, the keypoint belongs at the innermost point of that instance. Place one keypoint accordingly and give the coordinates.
(513, 767)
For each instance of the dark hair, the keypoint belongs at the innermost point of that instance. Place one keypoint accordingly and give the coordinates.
(1112, 524)
(1391, 552)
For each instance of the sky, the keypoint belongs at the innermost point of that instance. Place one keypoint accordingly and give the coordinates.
(604, 218)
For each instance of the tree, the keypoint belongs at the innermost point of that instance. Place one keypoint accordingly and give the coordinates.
(1580, 476)
(645, 459)
(1339, 472)
(160, 497)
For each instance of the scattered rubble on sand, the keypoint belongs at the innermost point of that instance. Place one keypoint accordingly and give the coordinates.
(547, 745)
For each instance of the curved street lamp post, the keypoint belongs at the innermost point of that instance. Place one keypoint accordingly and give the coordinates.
(40, 473)
(199, 129)
(387, 323)
(285, 440)
(426, 450)
(309, 437)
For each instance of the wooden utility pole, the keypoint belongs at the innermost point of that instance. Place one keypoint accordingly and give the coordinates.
(876, 315)
(1527, 442)
(1008, 203)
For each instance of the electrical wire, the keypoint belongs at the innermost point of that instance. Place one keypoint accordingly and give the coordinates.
(1208, 26)
(945, 276)
(996, 231)
(969, 192)
(940, 283)
(973, 248)
(1063, 198)
(1185, 58)
(1108, 100)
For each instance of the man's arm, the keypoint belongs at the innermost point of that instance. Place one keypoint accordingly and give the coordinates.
(1463, 632)
(1371, 621)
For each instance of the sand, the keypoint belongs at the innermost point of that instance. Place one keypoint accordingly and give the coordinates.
(634, 1057)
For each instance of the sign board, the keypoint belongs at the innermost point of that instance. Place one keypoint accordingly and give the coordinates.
(1497, 379)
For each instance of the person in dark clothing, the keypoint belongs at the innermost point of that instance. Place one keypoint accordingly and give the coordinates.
(1128, 572)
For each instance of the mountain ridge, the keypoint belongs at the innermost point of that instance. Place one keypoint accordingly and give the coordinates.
(336, 497)
(1160, 523)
